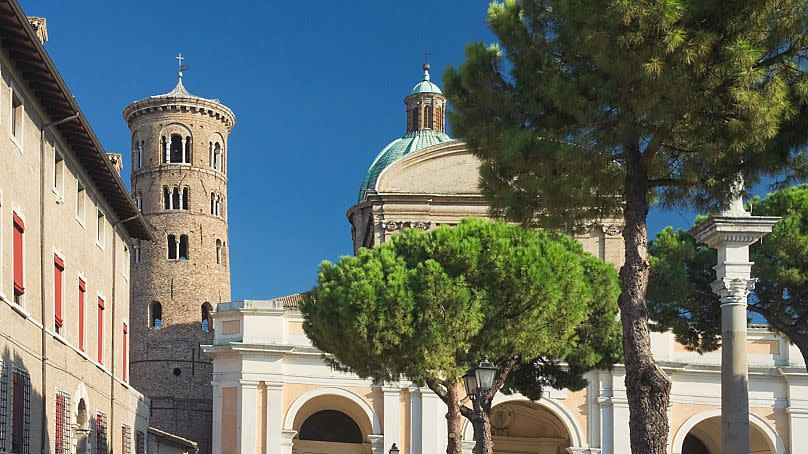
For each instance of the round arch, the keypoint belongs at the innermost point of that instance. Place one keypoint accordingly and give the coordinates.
(771, 436)
(555, 407)
(176, 128)
(294, 409)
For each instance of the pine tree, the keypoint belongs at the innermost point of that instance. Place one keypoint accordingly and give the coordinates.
(427, 305)
(591, 109)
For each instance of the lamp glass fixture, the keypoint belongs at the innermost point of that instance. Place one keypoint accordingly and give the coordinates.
(485, 373)
(470, 382)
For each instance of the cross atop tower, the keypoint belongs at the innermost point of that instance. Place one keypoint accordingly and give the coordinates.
(182, 67)
(426, 57)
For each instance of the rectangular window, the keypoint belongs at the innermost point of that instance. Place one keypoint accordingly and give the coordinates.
(3, 404)
(100, 330)
(137, 254)
(16, 117)
(101, 229)
(100, 433)
(20, 412)
(62, 441)
(58, 173)
(126, 439)
(82, 292)
(80, 196)
(58, 279)
(19, 274)
(140, 443)
(125, 351)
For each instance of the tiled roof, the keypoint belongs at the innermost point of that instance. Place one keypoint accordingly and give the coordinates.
(412, 141)
(290, 301)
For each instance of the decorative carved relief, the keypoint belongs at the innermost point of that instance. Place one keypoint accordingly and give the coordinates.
(395, 226)
(612, 230)
(501, 419)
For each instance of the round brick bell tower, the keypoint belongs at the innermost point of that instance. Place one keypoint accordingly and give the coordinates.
(179, 180)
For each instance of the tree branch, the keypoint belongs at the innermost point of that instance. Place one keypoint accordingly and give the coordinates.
(505, 368)
(438, 389)
(658, 182)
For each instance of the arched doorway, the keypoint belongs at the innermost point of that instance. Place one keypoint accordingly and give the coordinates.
(705, 438)
(527, 427)
(331, 424)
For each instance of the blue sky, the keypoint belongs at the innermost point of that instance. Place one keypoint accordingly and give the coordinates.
(317, 89)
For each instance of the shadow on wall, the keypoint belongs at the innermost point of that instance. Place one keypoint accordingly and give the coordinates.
(168, 367)
(21, 417)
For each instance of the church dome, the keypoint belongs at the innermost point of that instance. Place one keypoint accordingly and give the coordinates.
(426, 126)
(411, 142)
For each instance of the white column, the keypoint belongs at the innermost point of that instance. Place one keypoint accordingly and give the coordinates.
(731, 234)
(247, 416)
(217, 417)
(416, 420)
(621, 440)
(797, 409)
(274, 419)
(184, 152)
(433, 428)
(287, 437)
(168, 149)
(606, 412)
(593, 408)
(392, 416)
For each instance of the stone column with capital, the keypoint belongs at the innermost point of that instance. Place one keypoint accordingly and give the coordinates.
(287, 437)
(247, 416)
(730, 234)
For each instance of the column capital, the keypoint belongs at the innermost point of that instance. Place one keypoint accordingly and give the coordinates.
(248, 383)
(734, 291)
(376, 443)
(287, 436)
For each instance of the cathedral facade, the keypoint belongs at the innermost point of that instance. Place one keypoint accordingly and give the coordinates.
(273, 393)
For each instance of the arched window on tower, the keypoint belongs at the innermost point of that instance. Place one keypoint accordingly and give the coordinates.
(183, 249)
(217, 156)
(164, 146)
(186, 157)
(172, 247)
(218, 251)
(415, 119)
(156, 315)
(136, 158)
(175, 198)
(212, 203)
(139, 200)
(176, 154)
(207, 323)
(186, 194)
(430, 121)
(166, 198)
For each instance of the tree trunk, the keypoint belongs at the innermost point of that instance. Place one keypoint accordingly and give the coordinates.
(454, 421)
(647, 385)
(488, 441)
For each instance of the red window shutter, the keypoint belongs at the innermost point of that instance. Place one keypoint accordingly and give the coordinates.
(100, 330)
(82, 290)
(60, 423)
(58, 269)
(19, 229)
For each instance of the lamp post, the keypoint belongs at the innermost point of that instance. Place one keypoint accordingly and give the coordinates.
(394, 449)
(731, 233)
(478, 381)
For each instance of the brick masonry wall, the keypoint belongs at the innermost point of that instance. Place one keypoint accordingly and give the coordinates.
(167, 365)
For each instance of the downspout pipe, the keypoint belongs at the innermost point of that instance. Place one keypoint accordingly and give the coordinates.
(42, 261)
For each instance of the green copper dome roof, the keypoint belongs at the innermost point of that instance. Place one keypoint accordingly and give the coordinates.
(425, 86)
(411, 142)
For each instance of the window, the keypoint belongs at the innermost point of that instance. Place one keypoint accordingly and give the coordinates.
(16, 117)
(58, 173)
(415, 119)
(82, 294)
(137, 253)
(156, 315)
(140, 443)
(429, 118)
(179, 149)
(3, 404)
(100, 333)
(139, 200)
(166, 198)
(206, 321)
(216, 157)
(186, 194)
(218, 251)
(125, 350)
(100, 433)
(19, 254)
(126, 439)
(215, 204)
(175, 198)
(58, 281)
(137, 156)
(62, 423)
(20, 412)
(80, 195)
(183, 249)
(172, 247)
(101, 230)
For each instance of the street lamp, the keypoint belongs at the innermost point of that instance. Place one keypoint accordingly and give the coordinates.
(394, 449)
(478, 381)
